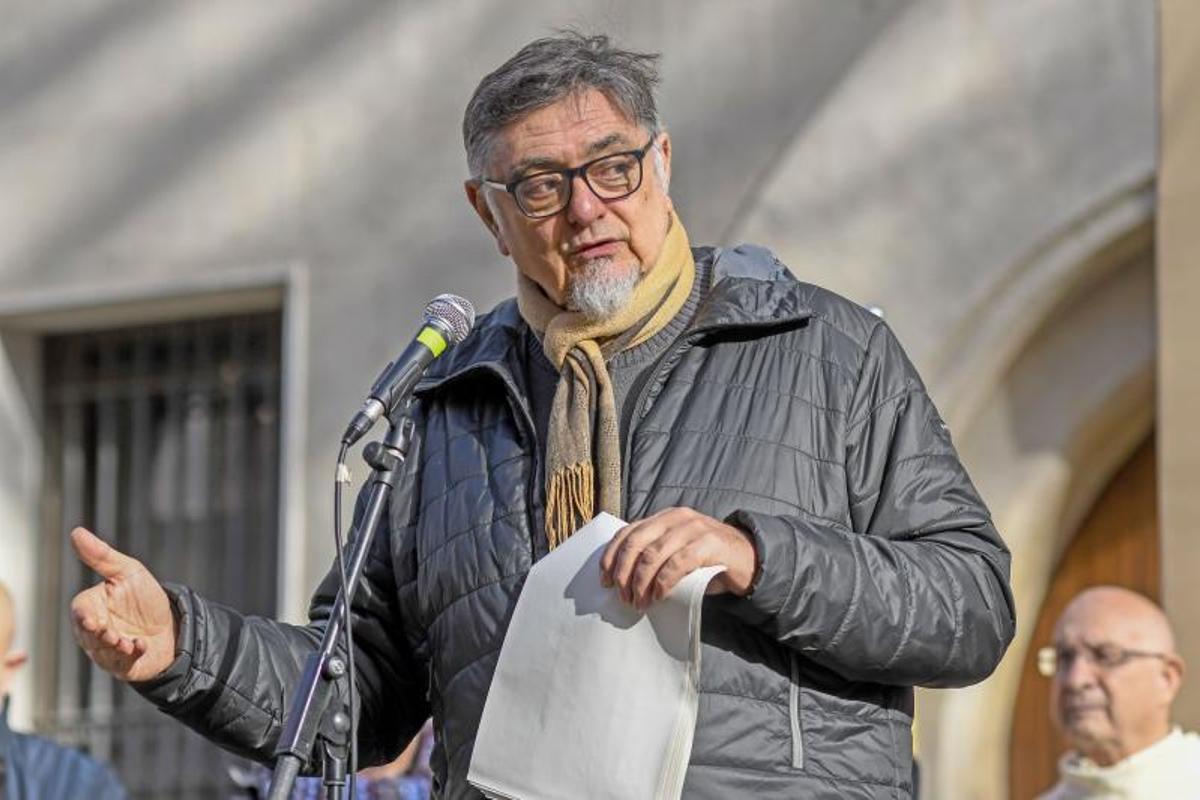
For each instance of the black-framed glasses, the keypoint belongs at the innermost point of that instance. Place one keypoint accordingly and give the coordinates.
(610, 177)
(1052, 661)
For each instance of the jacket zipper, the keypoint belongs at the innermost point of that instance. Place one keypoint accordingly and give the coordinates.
(794, 713)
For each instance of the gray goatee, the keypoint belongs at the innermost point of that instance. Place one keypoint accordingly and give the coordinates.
(597, 291)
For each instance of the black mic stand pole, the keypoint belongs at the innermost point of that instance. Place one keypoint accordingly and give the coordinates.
(310, 702)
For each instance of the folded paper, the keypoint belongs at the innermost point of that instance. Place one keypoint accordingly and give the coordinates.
(591, 698)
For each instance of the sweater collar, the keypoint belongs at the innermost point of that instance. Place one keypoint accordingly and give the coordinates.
(1080, 771)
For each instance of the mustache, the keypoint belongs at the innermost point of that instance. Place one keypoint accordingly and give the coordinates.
(1081, 702)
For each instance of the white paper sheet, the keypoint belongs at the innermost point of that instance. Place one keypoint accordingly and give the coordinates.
(590, 697)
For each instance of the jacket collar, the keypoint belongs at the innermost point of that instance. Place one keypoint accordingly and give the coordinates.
(751, 289)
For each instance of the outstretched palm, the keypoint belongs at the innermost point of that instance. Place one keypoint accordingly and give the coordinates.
(124, 623)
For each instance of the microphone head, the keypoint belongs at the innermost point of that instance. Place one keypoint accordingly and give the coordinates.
(452, 313)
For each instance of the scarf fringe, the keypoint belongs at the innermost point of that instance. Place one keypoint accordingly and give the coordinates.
(570, 499)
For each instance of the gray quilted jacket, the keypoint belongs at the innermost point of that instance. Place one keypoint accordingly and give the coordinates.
(785, 409)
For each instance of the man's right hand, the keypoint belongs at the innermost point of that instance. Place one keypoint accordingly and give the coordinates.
(125, 623)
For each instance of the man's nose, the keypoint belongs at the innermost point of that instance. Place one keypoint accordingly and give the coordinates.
(1079, 672)
(585, 206)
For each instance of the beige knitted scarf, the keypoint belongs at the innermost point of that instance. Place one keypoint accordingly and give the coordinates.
(583, 458)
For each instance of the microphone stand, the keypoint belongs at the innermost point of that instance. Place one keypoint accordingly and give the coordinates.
(310, 702)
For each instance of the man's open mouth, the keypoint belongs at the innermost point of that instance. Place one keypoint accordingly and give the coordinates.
(597, 249)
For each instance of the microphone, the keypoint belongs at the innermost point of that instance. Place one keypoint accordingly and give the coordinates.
(448, 320)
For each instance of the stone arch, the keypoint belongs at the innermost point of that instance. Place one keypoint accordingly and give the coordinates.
(1054, 395)
(985, 175)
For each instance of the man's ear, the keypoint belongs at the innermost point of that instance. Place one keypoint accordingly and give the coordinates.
(15, 660)
(1172, 672)
(477, 197)
(662, 166)
(665, 146)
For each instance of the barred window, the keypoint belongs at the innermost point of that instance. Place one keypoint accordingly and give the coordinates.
(165, 440)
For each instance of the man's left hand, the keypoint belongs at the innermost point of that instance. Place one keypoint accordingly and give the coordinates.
(647, 558)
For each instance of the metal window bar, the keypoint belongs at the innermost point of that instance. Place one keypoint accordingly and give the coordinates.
(164, 439)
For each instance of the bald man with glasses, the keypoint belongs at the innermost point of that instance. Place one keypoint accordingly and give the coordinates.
(1115, 674)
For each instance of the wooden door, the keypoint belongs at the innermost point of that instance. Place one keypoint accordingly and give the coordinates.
(1116, 544)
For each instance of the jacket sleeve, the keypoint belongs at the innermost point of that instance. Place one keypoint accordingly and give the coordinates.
(235, 674)
(916, 593)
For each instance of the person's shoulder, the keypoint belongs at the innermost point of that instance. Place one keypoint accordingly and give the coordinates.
(50, 765)
(502, 322)
(756, 263)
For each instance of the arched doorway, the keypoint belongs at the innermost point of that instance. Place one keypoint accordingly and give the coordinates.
(1116, 544)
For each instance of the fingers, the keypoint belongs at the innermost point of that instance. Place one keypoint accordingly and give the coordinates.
(647, 578)
(646, 559)
(88, 610)
(610, 552)
(117, 660)
(122, 628)
(108, 637)
(622, 552)
(634, 561)
(124, 646)
(102, 642)
(681, 563)
(105, 560)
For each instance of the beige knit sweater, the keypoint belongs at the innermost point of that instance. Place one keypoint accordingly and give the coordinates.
(1167, 770)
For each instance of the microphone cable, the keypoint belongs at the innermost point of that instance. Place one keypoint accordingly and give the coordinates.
(449, 319)
(339, 478)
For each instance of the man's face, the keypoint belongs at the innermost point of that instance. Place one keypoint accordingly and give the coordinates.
(6, 671)
(613, 241)
(1110, 713)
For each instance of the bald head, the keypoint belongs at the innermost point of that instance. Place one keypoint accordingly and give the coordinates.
(1117, 673)
(1132, 620)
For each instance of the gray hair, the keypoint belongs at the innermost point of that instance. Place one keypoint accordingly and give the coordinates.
(549, 69)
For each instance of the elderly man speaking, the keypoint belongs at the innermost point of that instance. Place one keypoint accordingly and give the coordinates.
(736, 415)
